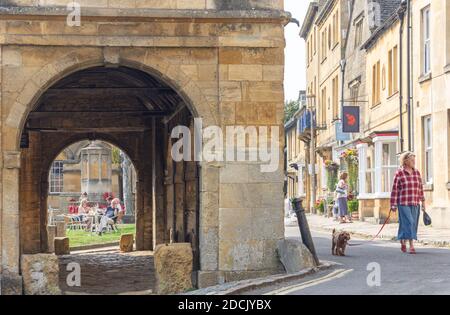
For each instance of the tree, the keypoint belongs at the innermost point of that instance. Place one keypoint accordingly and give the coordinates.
(290, 108)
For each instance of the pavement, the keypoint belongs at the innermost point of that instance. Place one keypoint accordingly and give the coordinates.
(426, 235)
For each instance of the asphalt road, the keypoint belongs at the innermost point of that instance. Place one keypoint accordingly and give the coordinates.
(428, 272)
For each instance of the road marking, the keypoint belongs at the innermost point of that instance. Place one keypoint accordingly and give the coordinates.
(297, 287)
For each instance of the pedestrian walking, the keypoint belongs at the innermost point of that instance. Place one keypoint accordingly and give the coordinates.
(407, 196)
(342, 195)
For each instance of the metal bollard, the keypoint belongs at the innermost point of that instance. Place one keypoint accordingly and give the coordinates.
(304, 228)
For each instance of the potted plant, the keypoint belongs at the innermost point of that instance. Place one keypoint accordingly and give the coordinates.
(353, 207)
(320, 206)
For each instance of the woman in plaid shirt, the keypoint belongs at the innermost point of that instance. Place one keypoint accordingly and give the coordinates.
(406, 197)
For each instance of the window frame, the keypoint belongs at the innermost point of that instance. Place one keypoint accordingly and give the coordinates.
(428, 149)
(426, 40)
(56, 182)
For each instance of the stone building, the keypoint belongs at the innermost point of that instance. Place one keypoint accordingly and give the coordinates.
(70, 175)
(342, 71)
(376, 80)
(128, 73)
(431, 108)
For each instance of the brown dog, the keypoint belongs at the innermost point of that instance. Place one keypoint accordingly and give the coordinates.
(339, 243)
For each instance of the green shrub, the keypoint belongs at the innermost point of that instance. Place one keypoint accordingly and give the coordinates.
(353, 206)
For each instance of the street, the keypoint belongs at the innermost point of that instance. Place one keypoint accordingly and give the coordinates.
(428, 272)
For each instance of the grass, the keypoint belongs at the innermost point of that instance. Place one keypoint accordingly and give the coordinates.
(81, 238)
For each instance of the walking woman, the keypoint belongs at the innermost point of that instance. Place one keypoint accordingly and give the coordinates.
(342, 195)
(406, 197)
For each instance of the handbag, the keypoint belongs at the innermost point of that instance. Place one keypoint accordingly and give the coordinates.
(426, 219)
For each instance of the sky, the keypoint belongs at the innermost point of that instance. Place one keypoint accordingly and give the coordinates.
(295, 68)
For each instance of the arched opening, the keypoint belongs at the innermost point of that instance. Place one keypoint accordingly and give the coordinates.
(134, 111)
(82, 181)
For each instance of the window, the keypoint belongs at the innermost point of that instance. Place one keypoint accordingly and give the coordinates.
(388, 165)
(329, 36)
(56, 177)
(393, 71)
(428, 148)
(336, 28)
(358, 31)
(426, 41)
(323, 113)
(336, 98)
(314, 40)
(376, 86)
(370, 171)
(354, 91)
(307, 53)
(324, 44)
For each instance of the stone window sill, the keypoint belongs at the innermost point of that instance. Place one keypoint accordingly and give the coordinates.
(425, 77)
(447, 68)
(428, 187)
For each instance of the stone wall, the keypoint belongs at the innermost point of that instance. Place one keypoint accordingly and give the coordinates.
(227, 69)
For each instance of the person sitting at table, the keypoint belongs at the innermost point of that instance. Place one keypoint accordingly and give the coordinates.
(83, 212)
(108, 217)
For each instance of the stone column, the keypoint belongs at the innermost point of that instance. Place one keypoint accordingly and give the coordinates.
(11, 279)
(127, 193)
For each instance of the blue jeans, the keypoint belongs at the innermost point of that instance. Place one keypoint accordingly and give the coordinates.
(408, 217)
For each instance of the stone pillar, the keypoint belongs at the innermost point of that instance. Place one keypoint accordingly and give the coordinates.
(11, 280)
(127, 185)
(144, 198)
(51, 234)
(209, 225)
(159, 212)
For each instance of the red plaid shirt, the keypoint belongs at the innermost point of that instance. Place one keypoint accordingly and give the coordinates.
(407, 189)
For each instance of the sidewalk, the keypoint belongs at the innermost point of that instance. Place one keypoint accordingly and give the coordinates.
(427, 235)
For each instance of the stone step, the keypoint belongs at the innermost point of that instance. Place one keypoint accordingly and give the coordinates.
(110, 272)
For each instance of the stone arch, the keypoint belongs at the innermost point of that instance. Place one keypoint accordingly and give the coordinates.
(169, 73)
(98, 136)
(51, 73)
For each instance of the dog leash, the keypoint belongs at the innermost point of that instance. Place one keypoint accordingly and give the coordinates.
(376, 236)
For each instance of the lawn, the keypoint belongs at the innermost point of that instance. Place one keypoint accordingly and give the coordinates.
(81, 238)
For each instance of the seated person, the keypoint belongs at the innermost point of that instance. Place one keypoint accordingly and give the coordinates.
(109, 217)
(83, 211)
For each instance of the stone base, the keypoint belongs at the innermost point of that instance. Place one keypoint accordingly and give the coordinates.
(378, 209)
(11, 284)
(173, 268)
(294, 255)
(40, 274)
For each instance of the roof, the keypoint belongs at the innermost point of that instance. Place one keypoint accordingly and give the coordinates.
(389, 15)
(309, 19)
(325, 9)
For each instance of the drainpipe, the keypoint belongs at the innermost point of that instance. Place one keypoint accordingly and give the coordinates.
(401, 16)
(408, 76)
(343, 67)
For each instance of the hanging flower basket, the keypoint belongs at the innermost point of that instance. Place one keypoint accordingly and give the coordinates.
(331, 165)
